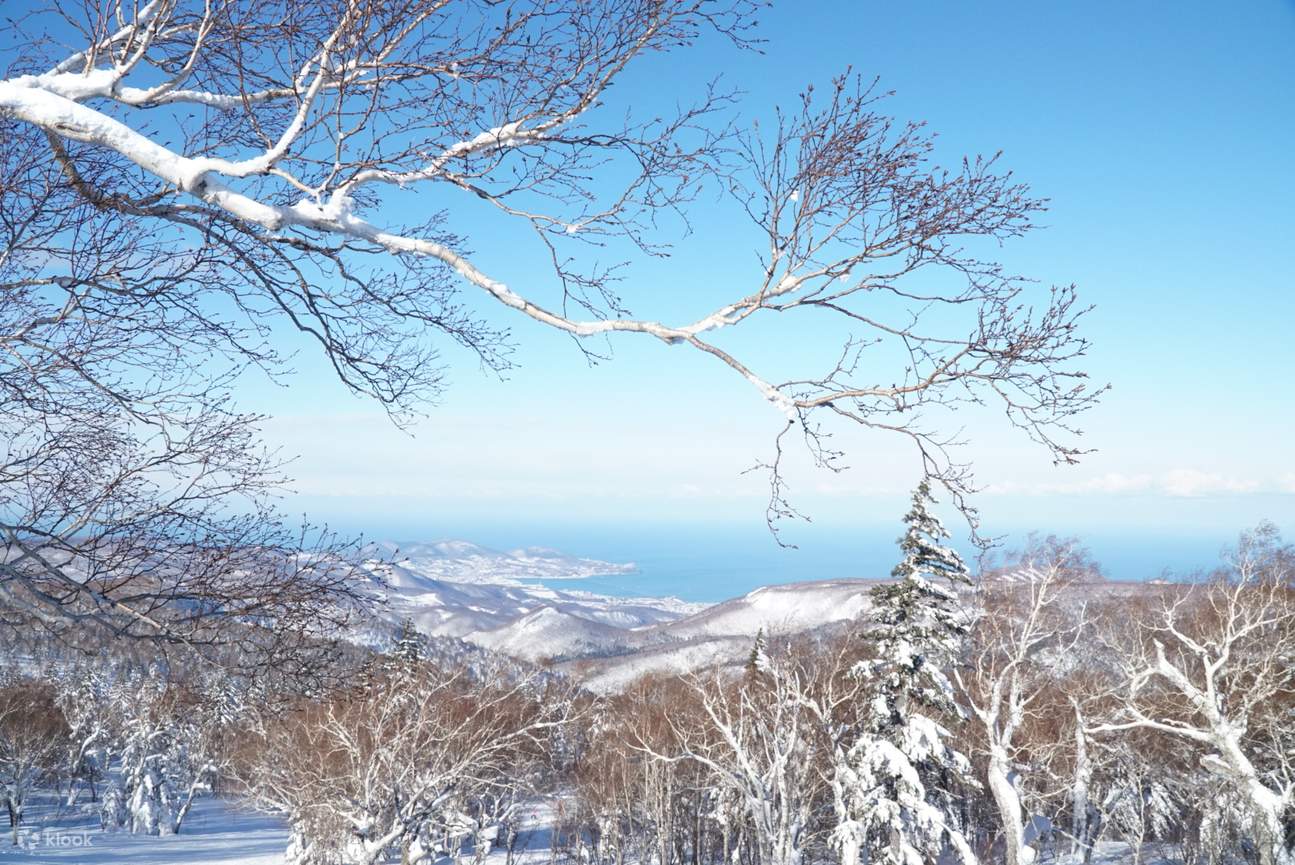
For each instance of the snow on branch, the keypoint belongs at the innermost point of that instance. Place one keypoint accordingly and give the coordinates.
(240, 157)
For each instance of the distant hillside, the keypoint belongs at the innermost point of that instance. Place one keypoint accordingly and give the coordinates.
(461, 589)
(466, 562)
(486, 598)
(552, 633)
(493, 600)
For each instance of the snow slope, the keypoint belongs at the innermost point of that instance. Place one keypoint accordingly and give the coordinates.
(550, 632)
(722, 635)
(218, 832)
(611, 674)
(777, 610)
(491, 599)
(461, 589)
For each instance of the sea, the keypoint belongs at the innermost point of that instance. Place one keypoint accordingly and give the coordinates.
(712, 562)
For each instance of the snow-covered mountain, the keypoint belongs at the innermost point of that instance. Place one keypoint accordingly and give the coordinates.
(552, 633)
(784, 609)
(723, 633)
(466, 562)
(493, 600)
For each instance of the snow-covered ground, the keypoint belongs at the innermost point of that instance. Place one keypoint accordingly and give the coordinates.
(218, 832)
(1116, 853)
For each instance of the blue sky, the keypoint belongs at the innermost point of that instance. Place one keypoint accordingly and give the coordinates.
(1163, 135)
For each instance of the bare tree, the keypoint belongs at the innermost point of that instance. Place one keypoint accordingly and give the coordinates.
(636, 806)
(411, 761)
(181, 178)
(84, 699)
(133, 498)
(766, 741)
(1022, 630)
(1138, 803)
(32, 739)
(168, 756)
(1210, 667)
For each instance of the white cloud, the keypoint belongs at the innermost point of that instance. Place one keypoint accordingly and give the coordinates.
(1192, 482)
(1175, 483)
(1117, 482)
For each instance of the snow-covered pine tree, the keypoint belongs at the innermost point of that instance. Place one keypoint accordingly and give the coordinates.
(409, 644)
(758, 660)
(890, 784)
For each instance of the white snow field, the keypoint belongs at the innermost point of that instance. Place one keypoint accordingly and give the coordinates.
(1117, 853)
(218, 832)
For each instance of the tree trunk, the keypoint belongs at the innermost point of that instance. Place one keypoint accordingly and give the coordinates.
(1270, 830)
(15, 817)
(696, 835)
(1008, 802)
(1081, 844)
(1267, 806)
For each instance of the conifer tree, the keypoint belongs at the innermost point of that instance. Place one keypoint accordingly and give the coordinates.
(890, 785)
(409, 645)
(759, 657)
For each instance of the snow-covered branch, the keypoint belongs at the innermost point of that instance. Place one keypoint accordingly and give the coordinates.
(1209, 666)
(290, 176)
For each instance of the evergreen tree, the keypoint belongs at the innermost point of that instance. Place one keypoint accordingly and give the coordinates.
(890, 785)
(759, 657)
(409, 643)
(917, 628)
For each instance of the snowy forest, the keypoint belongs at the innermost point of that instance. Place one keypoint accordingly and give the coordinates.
(1028, 713)
(199, 194)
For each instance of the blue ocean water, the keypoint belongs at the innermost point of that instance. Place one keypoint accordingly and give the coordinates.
(713, 562)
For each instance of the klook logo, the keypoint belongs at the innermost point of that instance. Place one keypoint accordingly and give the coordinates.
(34, 840)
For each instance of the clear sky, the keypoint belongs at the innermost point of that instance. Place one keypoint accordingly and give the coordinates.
(1164, 135)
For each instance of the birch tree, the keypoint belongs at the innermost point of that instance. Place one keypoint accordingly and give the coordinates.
(167, 758)
(135, 502)
(1210, 667)
(658, 802)
(763, 751)
(84, 699)
(185, 180)
(766, 741)
(32, 739)
(1021, 624)
(400, 764)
